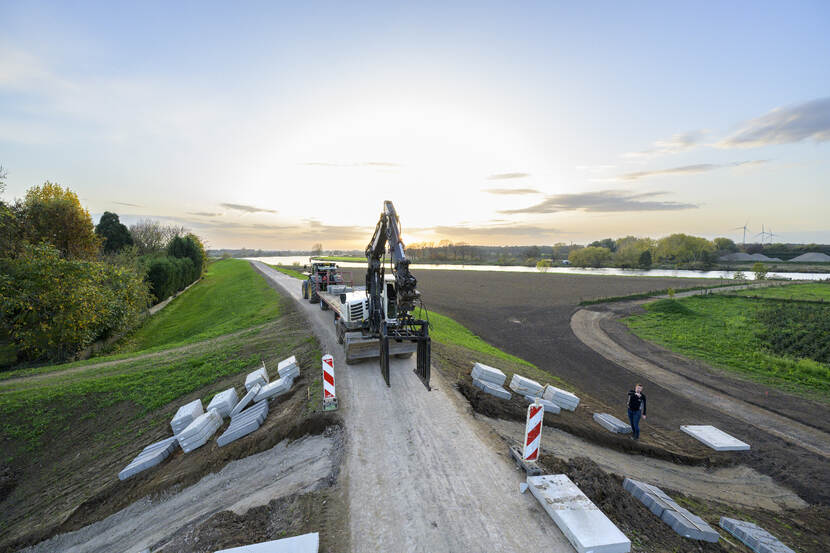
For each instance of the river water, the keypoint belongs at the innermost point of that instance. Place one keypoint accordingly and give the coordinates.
(303, 260)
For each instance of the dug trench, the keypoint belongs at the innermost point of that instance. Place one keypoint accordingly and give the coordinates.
(70, 488)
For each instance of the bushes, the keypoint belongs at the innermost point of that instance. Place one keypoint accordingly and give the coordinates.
(592, 256)
(52, 307)
(168, 275)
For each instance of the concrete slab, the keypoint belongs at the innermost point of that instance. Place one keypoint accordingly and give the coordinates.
(200, 430)
(186, 414)
(492, 389)
(246, 400)
(585, 526)
(612, 423)
(753, 536)
(274, 389)
(681, 520)
(550, 407)
(259, 376)
(307, 543)
(715, 438)
(488, 374)
(525, 386)
(149, 457)
(224, 402)
(288, 368)
(562, 398)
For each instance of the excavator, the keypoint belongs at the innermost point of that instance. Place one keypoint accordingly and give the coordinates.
(390, 307)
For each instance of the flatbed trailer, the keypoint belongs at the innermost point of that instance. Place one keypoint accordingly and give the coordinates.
(350, 308)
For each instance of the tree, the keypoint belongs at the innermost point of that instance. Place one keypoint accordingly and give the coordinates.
(532, 252)
(317, 249)
(592, 256)
(3, 175)
(151, 237)
(683, 248)
(605, 243)
(188, 247)
(629, 250)
(115, 234)
(725, 245)
(543, 264)
(645, 260)
(760, 271)
(53, 214)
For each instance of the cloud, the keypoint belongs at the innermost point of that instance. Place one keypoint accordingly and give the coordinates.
(491, 234)
(248, 208)
(204, 213)
(689, 169)
(603, 201)
(679, 142)
(505, 176)
(359, 164)
(512, 191)
(784, 125)
(128, 205)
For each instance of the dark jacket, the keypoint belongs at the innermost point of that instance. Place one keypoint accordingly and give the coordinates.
(636, 403)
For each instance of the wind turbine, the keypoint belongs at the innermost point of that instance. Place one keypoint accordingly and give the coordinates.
(762, 234)
(745, 228)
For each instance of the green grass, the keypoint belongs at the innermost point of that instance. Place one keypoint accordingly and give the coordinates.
(340, 258)
(290, 272)
(652, 293)
(446, 331)
(232, 296)
(724, 332)
(811, 291)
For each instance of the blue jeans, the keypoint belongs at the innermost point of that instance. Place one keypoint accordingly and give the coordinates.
(634, 418)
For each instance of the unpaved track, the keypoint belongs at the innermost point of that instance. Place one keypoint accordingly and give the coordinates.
(586, 326)
(420, 474)
(738, 485)
(299, 467)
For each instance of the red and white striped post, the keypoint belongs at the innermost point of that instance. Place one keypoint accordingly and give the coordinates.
(533, 431)
(329, 395)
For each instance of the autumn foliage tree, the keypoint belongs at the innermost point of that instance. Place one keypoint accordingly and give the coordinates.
(53, 214)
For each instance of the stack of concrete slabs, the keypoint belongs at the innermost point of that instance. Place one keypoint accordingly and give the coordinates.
(288, 368)
(525, 386)
(715, 438)
(224, 402)
(753, 536)
(274, 389)
(492, 389)
(550, 407)
(562, 398)
(612, 423)
(149, 457)
(681, 520)
(259, 376)
(186, 415)
(488, 374)
(246, 400)
(200, 431)
(585, 526)
(244, 423)
(307, 543)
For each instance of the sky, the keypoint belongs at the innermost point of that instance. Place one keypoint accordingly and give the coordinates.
(278, 125)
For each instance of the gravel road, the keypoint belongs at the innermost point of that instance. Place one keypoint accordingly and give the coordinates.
(420, 472)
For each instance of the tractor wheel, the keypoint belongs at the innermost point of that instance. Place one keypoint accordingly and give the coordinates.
(313, 296)
(305, 289)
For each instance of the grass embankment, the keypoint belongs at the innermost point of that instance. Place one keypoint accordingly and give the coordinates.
(733, 333)
(653, 293)
(340, 258)
(808, 291)
(289, 271)
(65, 432)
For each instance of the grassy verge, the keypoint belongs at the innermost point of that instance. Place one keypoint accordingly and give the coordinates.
(810, 291)
(289, 271)
(724, 332)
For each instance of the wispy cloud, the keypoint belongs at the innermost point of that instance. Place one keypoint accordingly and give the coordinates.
(489, 234)
(512, 191)
(358, 164)
(204, 213)
(128, 205)
(603, 201)
(248, 208)
(689, 169)
(784, 125)
(505, 176)
(679, 142)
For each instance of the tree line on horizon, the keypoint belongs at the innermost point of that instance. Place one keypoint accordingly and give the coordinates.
(66, 283)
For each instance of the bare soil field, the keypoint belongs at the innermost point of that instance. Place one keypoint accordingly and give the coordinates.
(528, 315)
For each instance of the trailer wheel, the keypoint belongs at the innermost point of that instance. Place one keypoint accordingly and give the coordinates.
(324, 306)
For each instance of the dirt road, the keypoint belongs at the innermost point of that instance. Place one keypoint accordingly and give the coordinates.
(420, 473)
(586, 326)
(281, 471)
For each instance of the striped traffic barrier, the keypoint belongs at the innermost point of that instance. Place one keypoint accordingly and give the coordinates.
(533, 431)
(329, 395)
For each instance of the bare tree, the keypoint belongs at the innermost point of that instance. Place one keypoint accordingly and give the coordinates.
(150, 236)
(317, 249)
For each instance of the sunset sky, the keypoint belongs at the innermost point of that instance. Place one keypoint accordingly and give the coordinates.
(278, 125)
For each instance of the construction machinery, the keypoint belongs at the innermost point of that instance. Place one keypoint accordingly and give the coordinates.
(376, 320)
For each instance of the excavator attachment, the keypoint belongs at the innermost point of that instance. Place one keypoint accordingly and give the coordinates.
(417, 334)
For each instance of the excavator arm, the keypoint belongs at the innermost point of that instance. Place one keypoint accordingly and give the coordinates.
(404, 326)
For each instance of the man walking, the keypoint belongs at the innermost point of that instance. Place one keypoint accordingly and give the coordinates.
(636, 409)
